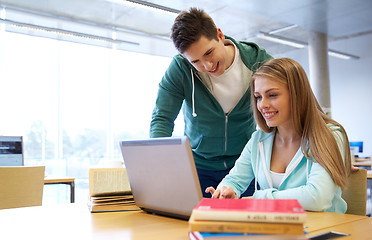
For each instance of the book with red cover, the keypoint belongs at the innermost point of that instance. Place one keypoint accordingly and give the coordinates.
(250, 210)
(245, 227)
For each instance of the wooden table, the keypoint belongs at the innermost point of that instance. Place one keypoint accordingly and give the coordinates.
(360, 229)
(363, 162)
(74, 221)
(67, 181)
(316, 221)
(369, 186)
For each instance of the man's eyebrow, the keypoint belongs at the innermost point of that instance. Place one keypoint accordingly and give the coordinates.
(206, 53)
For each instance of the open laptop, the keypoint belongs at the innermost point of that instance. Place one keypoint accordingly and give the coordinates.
(162, 175)
(11, 151)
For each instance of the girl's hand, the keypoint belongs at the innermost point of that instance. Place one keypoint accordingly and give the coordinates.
(224, 192)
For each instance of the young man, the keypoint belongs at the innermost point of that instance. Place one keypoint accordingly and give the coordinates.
(209, 79)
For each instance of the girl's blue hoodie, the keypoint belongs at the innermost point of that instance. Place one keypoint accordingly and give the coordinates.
(304, 180)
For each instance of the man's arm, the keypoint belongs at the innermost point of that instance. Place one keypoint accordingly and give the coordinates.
(168, 103)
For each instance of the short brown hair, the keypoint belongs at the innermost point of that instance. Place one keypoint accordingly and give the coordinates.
(189, 26)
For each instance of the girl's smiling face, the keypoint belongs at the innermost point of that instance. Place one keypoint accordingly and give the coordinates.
(273, 101)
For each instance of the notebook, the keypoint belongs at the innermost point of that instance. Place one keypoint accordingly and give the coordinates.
(162, 175)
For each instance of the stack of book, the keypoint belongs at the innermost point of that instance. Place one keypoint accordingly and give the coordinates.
(252, 216)
(109, 190)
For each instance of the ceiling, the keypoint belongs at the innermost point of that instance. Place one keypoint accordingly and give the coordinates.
(242, 19)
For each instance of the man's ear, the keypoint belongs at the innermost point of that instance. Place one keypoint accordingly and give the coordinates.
(220, 34)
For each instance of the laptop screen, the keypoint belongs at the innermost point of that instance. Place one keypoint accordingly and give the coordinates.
(11, 151)
(162, 175)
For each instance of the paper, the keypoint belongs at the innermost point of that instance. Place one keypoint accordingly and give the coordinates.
(108, 180)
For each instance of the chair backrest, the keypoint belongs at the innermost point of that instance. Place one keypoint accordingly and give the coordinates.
(21, 186)
(355, 194)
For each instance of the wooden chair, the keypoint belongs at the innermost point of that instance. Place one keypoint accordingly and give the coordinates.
(355, 194)
(21, 186)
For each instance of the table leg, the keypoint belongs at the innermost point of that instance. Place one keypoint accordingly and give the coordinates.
(72, 192)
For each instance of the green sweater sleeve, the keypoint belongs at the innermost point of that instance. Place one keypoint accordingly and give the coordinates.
(169, 101)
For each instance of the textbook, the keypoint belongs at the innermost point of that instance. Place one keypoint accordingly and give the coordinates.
(216, 236)
(250, 210)
(244, 227)
(113, 203)
(109, 190)
(241, 236)
(105, 181)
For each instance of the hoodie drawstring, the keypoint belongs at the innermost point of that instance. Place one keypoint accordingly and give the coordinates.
(255, 179)
(307, 170)
(193, 95)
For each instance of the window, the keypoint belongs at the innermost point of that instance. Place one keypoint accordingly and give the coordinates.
(72, 102)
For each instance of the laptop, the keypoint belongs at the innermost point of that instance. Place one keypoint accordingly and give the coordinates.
(11, 151)
(162, 175)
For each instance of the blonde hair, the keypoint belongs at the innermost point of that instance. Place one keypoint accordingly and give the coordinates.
(317, 141)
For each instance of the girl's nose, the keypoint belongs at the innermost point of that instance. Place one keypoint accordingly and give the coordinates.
(264, 103)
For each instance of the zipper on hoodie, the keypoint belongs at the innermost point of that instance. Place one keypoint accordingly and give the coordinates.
(226, 118)
(226, 121)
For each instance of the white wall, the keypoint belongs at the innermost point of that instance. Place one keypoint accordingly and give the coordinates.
(351, 87)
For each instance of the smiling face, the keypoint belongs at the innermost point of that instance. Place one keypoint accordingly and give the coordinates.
(273, 102)
(209, 56)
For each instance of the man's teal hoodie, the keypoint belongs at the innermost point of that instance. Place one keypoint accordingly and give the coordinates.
(216, 138)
